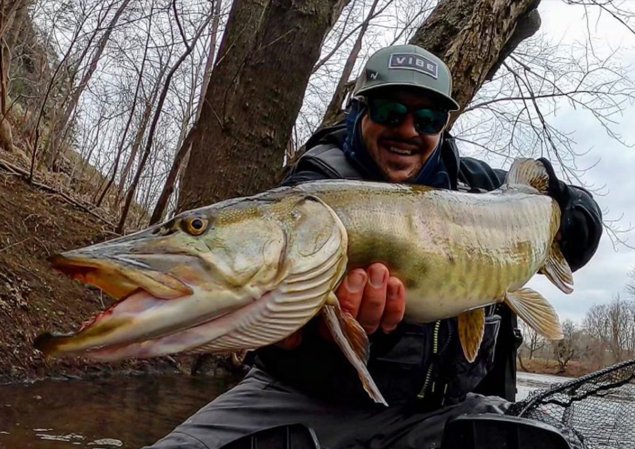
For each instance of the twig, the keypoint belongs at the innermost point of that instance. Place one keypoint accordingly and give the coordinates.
(14, 244)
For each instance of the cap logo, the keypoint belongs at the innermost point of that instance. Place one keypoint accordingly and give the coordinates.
(413, 61)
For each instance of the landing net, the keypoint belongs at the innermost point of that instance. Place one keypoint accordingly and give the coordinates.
(599, 407)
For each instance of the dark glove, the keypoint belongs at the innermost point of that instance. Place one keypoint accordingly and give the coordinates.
(581, 219)
(558, 190)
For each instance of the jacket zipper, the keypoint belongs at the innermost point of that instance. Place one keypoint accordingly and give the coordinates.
(435, 350)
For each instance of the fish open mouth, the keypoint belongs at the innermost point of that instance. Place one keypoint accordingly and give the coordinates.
(142, 295)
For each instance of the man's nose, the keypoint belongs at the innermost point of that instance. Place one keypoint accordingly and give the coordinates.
(407, 128)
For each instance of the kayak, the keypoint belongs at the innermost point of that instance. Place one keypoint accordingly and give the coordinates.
(485, 431)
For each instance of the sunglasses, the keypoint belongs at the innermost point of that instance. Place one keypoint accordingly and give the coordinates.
(392, 113)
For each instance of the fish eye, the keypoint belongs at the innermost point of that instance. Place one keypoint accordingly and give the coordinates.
(195, 225)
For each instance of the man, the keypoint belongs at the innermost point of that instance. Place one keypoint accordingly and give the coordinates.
(394, 132)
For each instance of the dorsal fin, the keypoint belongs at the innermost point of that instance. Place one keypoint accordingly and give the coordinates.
(528, 172)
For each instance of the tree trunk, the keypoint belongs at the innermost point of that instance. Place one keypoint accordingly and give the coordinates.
(473, 36)
(255, 92)
(522, 365)
(7, 14)
(209, 62)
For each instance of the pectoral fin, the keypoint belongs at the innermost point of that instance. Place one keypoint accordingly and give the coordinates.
(471, 329)
(353, 341)
(557, 269)
(536, 312)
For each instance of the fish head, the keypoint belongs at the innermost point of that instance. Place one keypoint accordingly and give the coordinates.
(194, 268)
(239, 274)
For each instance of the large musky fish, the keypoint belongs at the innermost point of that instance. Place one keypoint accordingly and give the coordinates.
(248, 272)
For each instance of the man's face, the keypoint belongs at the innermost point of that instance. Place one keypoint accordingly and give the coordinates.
(400, 151)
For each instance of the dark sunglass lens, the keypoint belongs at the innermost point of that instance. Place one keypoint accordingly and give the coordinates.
(388, 113)
(430, 121)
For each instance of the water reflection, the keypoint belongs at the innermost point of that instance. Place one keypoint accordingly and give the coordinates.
(118, 412)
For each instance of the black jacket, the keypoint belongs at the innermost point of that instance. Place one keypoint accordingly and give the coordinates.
(422, 362)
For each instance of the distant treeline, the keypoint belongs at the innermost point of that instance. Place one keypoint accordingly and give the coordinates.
(605, 336)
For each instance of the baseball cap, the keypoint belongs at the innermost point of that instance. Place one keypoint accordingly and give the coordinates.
(407, 66)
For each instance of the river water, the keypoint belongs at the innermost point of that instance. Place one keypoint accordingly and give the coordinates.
(118, 412)
(528, 382)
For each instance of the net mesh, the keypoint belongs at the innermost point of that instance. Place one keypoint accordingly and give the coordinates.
(599, 407)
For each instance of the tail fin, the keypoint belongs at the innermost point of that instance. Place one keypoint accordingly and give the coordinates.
(528, 172)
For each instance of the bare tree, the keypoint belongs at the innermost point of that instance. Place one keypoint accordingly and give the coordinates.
(532, 340)
(512, 114)
(255, 92)
(148, 146)
(620, 322)
(564, 350)
(453, 30)
(61, 67)
(181, 156)
(629, 341)
(612, 325)
(122, 142)
(617, 9)
(141, 131)
(61, 125)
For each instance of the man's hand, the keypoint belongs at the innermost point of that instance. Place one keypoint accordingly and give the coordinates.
(372, 296)
(581, 221)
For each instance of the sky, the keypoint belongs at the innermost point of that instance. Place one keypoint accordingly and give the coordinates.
(614, 175)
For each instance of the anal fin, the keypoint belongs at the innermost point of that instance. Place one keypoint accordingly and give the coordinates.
(534, 309)
(351, 337)
(471, 329)
(557, 269)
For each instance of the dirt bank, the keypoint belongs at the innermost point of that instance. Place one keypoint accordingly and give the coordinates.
(35, 224)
